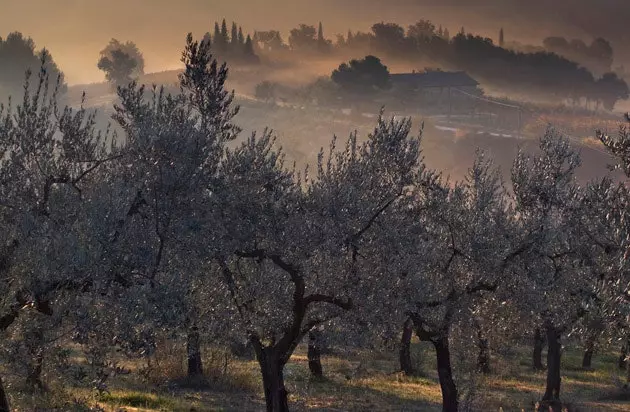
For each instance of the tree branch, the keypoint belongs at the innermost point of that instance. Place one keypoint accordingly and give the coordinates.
(341, 303)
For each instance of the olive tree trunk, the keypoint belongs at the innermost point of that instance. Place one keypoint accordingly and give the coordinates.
(314, 353)
(193, 346)
(34, 377)
(551, 398)
(405, 348)
(539, 342)
(272, 369)
(4, 400)
(483, 358)
(589, 350)
(445, 373)
(35, 345)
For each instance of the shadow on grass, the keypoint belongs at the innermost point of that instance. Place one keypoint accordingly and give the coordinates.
(333, 394)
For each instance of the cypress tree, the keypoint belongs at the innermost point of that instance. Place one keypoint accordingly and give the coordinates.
(249, 46)
(225, 38)
(234, 37)
(218, 45)
(320, 33)
(501, 38)
(241, 39)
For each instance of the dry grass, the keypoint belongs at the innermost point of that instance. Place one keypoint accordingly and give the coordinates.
(353, 382)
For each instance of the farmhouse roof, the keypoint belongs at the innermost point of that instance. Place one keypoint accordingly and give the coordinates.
(435, 78)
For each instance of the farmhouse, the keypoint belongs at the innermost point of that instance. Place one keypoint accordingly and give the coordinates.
(434, 82)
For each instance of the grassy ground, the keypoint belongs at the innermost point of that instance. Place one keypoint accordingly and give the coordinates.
(357, 382)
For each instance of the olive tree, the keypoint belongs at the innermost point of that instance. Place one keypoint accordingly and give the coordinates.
(174, 144)
(51, 158)
(555, 277)
(458, 251)
(291, 247)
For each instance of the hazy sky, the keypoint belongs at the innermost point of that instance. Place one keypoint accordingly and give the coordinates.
(76, 30)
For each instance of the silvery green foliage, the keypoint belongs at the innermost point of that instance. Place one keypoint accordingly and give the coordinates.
(50, 158)
(611, 231)
(157, 202)
(292, 250)
(553, 276)
(605, 221)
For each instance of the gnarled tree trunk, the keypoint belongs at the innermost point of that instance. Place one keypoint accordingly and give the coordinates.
(4, 400)
(445, 373)
(539, 342)
(551, 399)
(405, 348)
(193, 346)
(272, 366)
(314, 353)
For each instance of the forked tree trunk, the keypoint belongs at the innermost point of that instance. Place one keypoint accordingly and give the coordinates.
(4, 400)
(539, 342)
(405, 348)
(271, 366)
(445, 374)
(551, 399)
(314, 353)
(193, 346)
(483, 359)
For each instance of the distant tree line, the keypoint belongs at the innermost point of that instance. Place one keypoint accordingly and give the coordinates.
(233, 45)
(559, 71)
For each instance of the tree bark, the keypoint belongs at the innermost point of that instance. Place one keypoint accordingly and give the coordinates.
(34, 377)
(483, 359)
(551, 399)
(272, 366)
(589, 349)
(314, 353)
(445, 373)
(4, 400)
(405, 349)
(193, 346)
(587, 360)
(35, 344)
(539, 342)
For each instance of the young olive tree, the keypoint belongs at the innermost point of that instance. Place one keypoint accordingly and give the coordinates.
(555, 277)
(291, 247)
(174, 146)
(461, 253)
